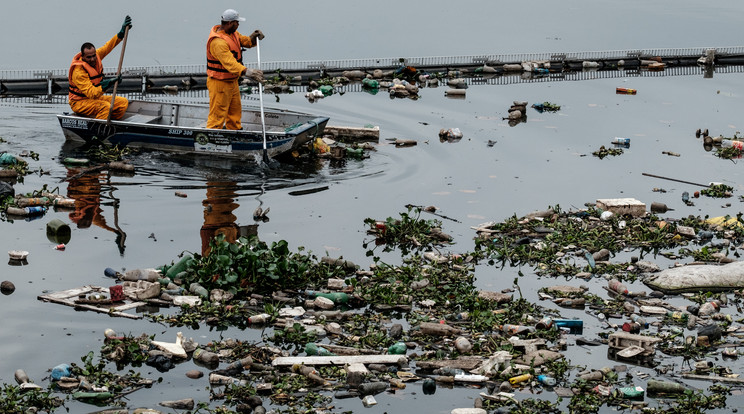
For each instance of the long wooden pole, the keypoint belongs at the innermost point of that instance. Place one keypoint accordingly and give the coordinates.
(118, 73)
(674, 179)
(260, 100)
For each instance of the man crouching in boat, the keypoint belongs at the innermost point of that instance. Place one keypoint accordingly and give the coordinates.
(87, 83)
(224, 69)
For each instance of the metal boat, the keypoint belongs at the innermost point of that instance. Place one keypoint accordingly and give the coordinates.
(180, 127)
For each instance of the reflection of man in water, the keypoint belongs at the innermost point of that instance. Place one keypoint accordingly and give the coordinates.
(218, 216)
(86, 190)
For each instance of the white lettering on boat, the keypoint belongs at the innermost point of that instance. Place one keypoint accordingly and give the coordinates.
(72, 123)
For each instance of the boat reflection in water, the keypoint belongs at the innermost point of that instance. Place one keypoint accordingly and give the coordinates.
(88, 190)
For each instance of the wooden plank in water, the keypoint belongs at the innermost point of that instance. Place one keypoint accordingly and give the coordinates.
(337, 360)
(353, 133)
(68, 297)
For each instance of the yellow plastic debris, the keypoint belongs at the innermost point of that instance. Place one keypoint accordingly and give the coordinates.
(725, 221)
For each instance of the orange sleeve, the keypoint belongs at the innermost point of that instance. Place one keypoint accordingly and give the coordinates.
(108, 47)
(245, 41)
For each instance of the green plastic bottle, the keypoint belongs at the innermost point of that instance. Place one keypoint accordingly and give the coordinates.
(398, 348)
(92, 395)
(198, 289)
(327, 90)
(314, 349)
(179, 267)
(336, 297)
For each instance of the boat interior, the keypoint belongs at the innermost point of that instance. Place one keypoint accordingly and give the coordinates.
(195, 116)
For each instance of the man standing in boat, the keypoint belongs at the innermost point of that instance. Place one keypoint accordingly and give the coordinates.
(224, 69)
(87, 84)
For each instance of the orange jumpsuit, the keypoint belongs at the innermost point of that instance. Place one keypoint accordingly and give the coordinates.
(86, 97)
(224, 66)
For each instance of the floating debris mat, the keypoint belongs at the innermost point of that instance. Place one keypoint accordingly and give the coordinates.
(93, 298)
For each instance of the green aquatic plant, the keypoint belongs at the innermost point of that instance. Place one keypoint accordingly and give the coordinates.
(717, 191)
(410, 233)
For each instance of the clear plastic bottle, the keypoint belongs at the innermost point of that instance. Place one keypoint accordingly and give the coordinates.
(708, 308)
(618, 287)
(639, 320)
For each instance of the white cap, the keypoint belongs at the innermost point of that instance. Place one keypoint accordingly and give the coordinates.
(231, 15)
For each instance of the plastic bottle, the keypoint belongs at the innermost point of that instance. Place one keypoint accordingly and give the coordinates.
(631, 327)
(21, 377)
(336, 297)
(639, 320)
(618, 287)
(312, 374)
(572, 303)
(99, 396)
(398, 348)
(239, 365)
(109, 272)
(705, 234)
(729, 143)
(659, 207)
(179, 267)
(544, 323)
(206, 357)
(546, 380)
(625, 91)
(35, 210)
(198, 289)
(656, 387)
(449, 371)
(313, 349)
(429, 386)
(681, 316)
(621, 141)
(259, 319)
(520, 379)
(32, 202)
(463, 345)
(471, 378)
(708, 308)
(511, 329)
(217, 379)
(149, 275)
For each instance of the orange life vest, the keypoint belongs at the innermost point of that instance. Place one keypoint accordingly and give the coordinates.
(94, 73)
(214, 67)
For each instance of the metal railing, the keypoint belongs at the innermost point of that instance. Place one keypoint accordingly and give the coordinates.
(388, 62)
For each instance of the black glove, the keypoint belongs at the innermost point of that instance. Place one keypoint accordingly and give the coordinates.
(127, 23)
(106, 83)
(257, 34)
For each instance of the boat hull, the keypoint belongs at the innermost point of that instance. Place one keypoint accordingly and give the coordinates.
(179, 128)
